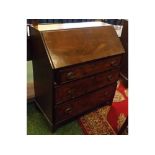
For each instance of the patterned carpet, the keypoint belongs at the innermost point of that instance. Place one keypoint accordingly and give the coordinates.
(97, 123)
(94, 123)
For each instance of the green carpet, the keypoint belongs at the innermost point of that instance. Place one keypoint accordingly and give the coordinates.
(37, 125)
(29, 72)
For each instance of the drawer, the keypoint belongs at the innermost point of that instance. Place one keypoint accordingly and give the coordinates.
(84, 103)
(86, 69)
(74, 89)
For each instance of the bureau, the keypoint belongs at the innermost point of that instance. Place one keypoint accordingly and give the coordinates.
(75, 69)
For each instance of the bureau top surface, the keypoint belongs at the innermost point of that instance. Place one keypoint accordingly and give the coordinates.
(77, 45)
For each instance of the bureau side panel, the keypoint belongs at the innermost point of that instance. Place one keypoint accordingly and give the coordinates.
(43, 75)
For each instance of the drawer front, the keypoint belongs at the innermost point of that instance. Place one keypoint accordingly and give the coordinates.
(70, 90)
(84, 103)
(79, 71)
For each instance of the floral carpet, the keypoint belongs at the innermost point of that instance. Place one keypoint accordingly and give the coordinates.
(108, 119)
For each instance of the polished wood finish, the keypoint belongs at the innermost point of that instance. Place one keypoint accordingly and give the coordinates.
(71, 90)
(65, 44)
(86, 102)
(41, 70)
(75, 70)
(89, 68)
(124, 40)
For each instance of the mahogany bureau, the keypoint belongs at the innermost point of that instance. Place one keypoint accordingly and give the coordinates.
(75, 69)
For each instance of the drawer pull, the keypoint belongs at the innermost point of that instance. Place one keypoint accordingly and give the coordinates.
(68, 110)
(114, 63)
(71, 93)
(70, 75)
(109, 78)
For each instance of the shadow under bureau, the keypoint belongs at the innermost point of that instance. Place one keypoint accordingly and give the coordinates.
(75, 69)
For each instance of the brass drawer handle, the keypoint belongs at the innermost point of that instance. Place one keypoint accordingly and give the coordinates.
(70, 75)
(109, 78)
(114, 63)
(68, 110)
(71, 93)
